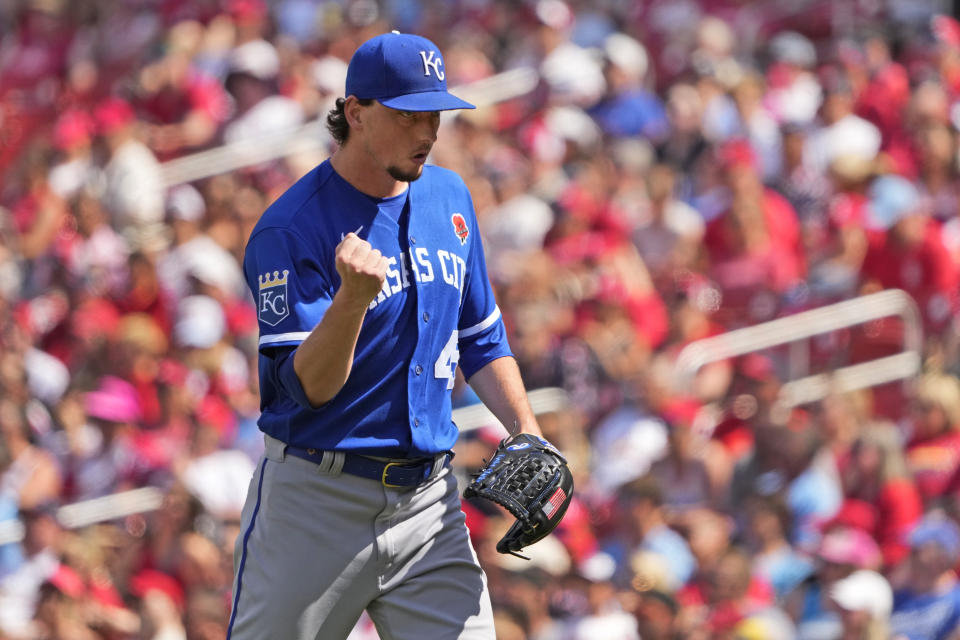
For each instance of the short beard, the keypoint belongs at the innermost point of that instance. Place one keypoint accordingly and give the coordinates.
(404, 176)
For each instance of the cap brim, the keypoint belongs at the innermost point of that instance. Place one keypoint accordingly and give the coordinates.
(426, 101)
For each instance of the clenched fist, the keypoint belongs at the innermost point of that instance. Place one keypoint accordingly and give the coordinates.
(362, 269)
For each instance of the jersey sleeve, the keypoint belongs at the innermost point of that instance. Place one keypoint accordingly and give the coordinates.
(481, 332)
(290, 287)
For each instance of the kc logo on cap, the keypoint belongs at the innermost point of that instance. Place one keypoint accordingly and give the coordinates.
(434, 62)
(401, 71)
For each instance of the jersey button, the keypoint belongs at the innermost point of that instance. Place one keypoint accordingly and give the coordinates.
(418, 369)
(426, 317)
(416, 422)
(413, 240)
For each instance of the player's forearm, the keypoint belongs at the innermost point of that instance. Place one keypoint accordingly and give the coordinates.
(500, 387)
(323, 361)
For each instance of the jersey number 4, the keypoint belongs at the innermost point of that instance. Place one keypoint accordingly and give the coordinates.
(446, 364)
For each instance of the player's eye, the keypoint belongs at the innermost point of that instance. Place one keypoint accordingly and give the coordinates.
(409, 115)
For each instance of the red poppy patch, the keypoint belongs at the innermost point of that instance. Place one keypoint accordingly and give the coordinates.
(460, 227)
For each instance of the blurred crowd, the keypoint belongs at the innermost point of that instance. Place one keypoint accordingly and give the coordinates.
(681, 169)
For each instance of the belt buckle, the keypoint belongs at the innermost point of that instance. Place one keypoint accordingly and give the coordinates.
(383, 476)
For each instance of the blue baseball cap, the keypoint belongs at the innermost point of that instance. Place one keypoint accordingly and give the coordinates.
(401, 71)
(940, 530)
(892, 198)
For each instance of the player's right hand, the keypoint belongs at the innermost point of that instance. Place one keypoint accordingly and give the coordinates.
(362, 269)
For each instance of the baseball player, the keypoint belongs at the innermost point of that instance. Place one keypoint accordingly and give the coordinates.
(371, 287)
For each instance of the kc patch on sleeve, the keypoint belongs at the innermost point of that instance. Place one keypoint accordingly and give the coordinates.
(273, 304)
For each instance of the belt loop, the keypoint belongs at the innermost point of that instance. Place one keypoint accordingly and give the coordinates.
(332, 462)
(274, 449)
(439, 462)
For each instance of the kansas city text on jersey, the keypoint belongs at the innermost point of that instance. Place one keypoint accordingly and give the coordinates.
(453, 271)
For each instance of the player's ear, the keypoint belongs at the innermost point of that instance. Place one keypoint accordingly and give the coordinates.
(353, 111)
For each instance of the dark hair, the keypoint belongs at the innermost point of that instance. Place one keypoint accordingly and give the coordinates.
(337, 123)
(643, 489)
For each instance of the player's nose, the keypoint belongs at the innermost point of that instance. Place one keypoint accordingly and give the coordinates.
(428, 123)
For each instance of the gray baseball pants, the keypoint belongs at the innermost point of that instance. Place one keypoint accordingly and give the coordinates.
(317, 547)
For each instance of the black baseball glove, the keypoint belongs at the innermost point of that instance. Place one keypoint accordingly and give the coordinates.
(529, 478)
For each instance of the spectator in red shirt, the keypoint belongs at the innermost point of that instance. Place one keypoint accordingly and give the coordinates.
(937, 148)
(717, 600)
(836, 243)
(877, 475)
(933, 452)
(911, 254)
(754, 247)
(184, 106)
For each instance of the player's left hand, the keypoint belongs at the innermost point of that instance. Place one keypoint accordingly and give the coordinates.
(530, 478)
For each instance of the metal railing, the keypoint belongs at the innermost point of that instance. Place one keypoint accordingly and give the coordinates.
(797, 329)
(545, 400)
(87, 512)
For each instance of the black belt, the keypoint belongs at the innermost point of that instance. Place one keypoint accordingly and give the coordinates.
(389, 473)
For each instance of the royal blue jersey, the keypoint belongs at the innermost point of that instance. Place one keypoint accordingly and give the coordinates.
(435, 311)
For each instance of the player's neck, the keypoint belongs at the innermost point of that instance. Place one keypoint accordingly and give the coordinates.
(354, 167)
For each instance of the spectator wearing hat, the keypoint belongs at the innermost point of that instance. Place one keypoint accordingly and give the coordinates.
(794, 93)
(910, 254)
(623, 445)
(162, 602)
(62, 607)
(865, 600)
(214, 471)
(73, 137)
(836, 242)
(604, 616)
(196, 261)
(842, 133)
(254, 67)
(926, 601)
(933, 450)
(250, 18)
(134, 186)
(842, 550)
(108, 461)
(627, 108)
